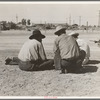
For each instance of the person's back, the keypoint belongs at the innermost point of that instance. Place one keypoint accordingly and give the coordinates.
(29, 49)
(67, 46)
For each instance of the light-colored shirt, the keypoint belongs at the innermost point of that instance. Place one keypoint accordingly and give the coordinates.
(84, 46)
(67, 45)
(32, 50)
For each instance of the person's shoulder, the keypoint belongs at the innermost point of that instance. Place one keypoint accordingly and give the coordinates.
(70, 37)
(80, 40)
(63, 35)
(34, 42)
(57, 38)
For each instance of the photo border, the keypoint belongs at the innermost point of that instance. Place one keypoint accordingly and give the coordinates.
(47, 97)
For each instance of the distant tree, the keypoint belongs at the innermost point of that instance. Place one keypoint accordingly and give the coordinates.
(5, 25)
(28, 22)
(48, 26)
(75, 26)
(94, 25)
(23, 21)
(12, 25)
(19, 22)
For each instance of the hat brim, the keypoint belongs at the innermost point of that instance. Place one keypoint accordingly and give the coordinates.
(57, 32)
(34, 37)
(76, 34)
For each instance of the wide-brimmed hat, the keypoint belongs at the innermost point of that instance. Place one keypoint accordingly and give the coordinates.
(59, 28)
(36, 33)
(74, 34)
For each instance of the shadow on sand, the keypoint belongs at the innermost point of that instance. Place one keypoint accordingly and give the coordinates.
(93, 62)
(90, 69)
(87, 69)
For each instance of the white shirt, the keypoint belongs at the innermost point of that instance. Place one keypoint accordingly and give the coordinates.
(84, 46)
(32, 50)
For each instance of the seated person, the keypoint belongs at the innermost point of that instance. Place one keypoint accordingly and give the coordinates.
(32, 55)
(83, 46)
(68, 56)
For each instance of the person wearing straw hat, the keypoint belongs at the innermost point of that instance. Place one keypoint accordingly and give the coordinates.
(83, 46)
(32, 55)
(67, 52)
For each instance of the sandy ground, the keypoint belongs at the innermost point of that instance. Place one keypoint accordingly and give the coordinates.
(14, 82)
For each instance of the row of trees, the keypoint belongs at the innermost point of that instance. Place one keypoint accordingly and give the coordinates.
(26, 24)
(4, 25)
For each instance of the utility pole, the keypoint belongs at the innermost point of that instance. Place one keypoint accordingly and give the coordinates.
(87, 26)
(66, 21)
(0, 27)
(40, 21)
(16, 19)
(99, 19)
(79, 20)
(45, 26)
(70, 20)
(73, 21)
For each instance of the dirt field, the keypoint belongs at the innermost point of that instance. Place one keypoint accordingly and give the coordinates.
(14, 82)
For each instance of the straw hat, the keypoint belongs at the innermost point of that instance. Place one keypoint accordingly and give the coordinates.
(59, 28)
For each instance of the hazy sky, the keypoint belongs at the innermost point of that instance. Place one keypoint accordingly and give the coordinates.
(55, 12)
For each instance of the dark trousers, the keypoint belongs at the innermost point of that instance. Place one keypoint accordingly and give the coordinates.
(33, 66)
(70, 64)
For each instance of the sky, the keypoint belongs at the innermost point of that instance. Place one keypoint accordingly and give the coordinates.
(64, 12)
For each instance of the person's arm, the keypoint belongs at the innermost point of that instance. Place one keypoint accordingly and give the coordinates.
(34, 53)
(41, 52)
(55, 47)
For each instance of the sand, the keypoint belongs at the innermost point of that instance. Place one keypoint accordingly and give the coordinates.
(15, 82)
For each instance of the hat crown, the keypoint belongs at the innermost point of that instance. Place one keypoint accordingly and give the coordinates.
(59, 28)
(36, 32)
